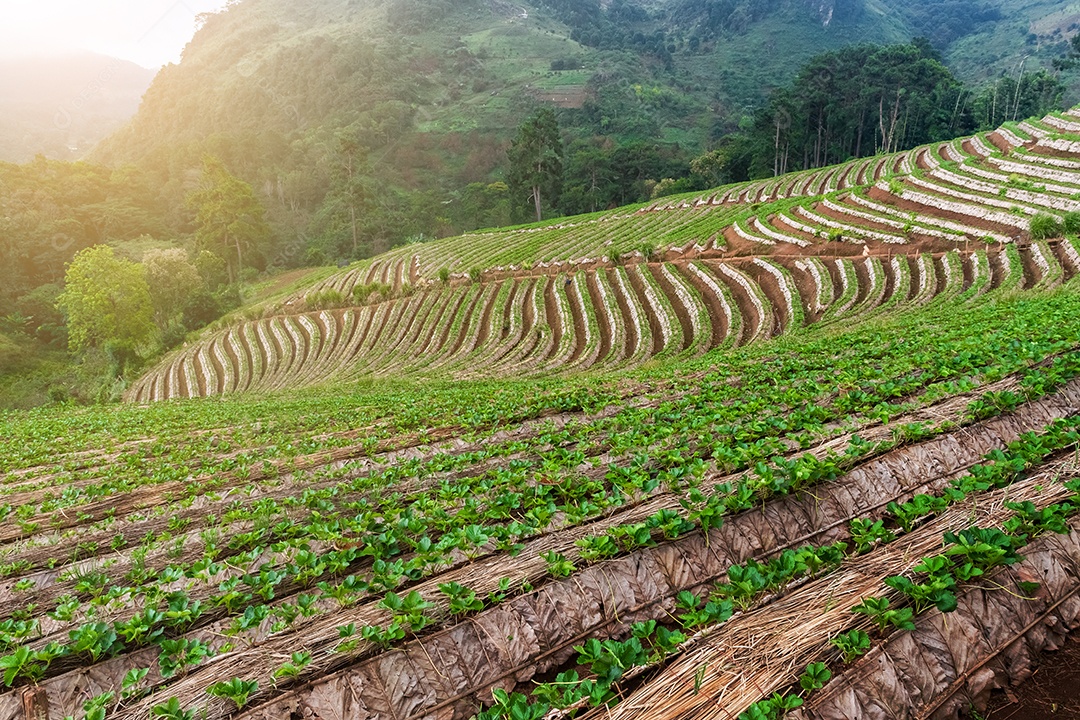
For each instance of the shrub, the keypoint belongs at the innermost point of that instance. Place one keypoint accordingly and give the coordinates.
(325, 299)
(1072, 223)
(1045, 226)
(444, 275)
(372, 292)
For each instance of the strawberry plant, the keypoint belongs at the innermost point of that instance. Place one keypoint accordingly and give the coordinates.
(512, 706)
(408, 610)
(557, 564)
(907, 514)
(772, 708)
(866, 534)
(879, 611)
(95, 640)
(179, 654)
(172, 710)
(293, 667)
(462, 599)
(984, 547)
(610, 659)
(852, 644)
(597, 547)
(236, 690)
(129, 688)
(383, 637)
(21, 663)
(814, 677)
(95, 708)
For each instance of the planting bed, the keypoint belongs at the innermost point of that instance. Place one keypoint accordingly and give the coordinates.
(689, 460)
(673, 278)
(424, 549)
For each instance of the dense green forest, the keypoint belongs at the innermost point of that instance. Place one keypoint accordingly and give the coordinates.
(392, 120)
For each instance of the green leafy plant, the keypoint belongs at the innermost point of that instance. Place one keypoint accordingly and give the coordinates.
(462, 599)
(293, 666)
(513, 706)
(879, 611)
(1045, 226)
(24, 663)
(236, 690)
(383, 637)
(815, 677)
(95, 640)
(181, 653)
(557, 564)
(408, 610)
(866, 534)
(771, 708)
(129, 687)
(171, 710)
(852, 644)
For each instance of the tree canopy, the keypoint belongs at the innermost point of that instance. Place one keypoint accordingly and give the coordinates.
(230, 219)
(536, 161)
(107, 302)
(866, 99)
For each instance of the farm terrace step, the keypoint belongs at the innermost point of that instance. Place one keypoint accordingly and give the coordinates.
(551, 324)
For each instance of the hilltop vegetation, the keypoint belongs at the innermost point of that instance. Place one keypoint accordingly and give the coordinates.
(407, 108)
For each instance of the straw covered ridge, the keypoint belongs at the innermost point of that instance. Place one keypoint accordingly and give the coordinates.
(758, 653)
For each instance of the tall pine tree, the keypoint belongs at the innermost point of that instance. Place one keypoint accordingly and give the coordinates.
(536, 161)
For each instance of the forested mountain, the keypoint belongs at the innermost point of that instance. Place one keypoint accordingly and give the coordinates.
(400, 111)
(62, 106)
(331, 130)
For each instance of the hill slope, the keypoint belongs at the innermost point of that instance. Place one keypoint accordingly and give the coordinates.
(432, 91)
(426, 549)
(266, 65)
(947, 222)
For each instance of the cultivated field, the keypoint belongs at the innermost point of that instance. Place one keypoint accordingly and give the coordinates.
(808, 461)
(944, 223)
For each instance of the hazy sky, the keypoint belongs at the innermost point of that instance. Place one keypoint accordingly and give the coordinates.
(148, 32)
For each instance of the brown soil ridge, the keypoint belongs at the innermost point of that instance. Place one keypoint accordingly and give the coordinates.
(603, 321)
(718, 326)
(637, 286)
(752, 320)
(633, 339)
(682, 312)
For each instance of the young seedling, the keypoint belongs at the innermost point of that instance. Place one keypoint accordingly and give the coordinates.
(852, 644)
(557, 564)
(878, 610)
(171, 710)
(292, 668)
(236, 690)
(815, 677)
(462, 599)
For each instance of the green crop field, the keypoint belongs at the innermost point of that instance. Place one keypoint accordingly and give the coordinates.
(740, 454)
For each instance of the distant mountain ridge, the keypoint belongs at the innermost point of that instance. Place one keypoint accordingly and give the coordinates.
(62, 106)
(444, 60)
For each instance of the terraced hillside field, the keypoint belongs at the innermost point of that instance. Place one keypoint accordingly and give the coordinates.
(874, 517)
(946, 223)
(773, 473)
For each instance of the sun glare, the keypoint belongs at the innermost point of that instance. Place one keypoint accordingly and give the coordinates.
(150, 33)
